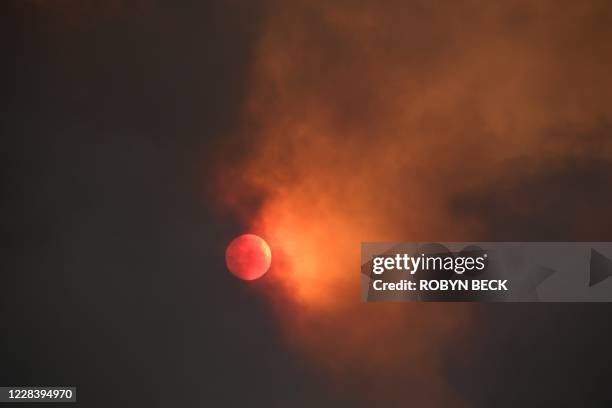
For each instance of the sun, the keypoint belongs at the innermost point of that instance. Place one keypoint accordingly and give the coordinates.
(248, 257)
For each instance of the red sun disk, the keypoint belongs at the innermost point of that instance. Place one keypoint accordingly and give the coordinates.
(248, 257)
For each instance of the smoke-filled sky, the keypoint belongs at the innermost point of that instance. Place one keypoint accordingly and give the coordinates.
(142, 137)
(409, 121)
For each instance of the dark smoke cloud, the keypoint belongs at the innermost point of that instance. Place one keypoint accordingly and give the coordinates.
(539, 197)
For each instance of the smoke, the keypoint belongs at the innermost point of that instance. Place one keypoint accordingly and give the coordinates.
(393, 120)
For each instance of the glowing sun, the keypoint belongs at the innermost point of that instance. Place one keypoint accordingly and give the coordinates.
(248, 257)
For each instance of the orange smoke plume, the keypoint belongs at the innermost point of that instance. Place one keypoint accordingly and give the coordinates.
(365, 120)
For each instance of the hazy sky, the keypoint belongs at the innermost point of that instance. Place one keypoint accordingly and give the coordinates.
(141, 137)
